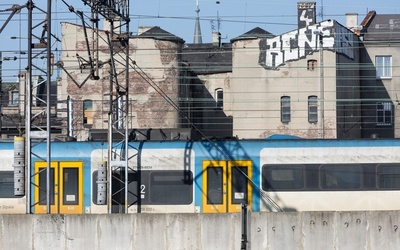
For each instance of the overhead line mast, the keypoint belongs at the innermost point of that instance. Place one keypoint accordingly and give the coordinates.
(39, 46)
(116, 12)
(34, 107)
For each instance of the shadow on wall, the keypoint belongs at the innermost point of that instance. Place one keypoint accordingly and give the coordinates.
(204, 111)
(377, 110)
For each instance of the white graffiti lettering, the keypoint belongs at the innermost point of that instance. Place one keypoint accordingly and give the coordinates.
(299, 43)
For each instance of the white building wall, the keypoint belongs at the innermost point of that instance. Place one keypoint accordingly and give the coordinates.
(264, 70)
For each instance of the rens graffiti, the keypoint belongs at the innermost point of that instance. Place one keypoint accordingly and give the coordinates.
(297, 44)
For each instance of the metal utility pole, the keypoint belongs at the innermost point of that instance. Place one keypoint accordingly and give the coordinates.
(36, 131)
(116, 12)
(319, 35)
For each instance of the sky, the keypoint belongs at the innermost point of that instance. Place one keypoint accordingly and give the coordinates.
(230, 17)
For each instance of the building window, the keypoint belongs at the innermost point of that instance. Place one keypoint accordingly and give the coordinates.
(14, 98)
(311, 64)
(285, 109)
(384, 113)
(87, 112)
(383, 66)
(219, 98)
(312, 109)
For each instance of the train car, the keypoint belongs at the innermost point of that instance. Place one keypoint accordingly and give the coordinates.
(208, 177)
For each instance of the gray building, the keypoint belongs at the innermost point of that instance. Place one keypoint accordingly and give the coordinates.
(297, 83)
(379, 75)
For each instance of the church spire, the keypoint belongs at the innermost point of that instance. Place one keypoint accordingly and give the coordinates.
(197, 30)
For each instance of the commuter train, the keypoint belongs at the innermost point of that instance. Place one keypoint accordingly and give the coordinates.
(207, 177)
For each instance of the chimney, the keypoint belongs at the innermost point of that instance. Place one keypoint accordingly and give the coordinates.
(306, 14)
(351, 20)
(216, 39)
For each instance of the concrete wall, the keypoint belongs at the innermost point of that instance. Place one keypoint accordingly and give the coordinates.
(305, 230)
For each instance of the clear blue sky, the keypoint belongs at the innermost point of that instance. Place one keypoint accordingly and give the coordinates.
(178, 16)
(239, 16)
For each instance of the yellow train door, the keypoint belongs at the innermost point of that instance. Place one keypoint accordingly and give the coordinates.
(66, 188)
(226, 186)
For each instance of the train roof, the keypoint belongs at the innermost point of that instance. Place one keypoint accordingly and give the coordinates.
(279, 140)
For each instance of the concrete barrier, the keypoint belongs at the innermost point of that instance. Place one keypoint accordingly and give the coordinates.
(293, 230)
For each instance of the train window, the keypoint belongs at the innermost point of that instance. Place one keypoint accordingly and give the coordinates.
(283, 177)
(340, 176)
(118, 188)
(7, 184)
(388, 176)
(43, 186)
(239, 185)
(215, 185)
(71, 186)
(171, 187)
(156, 187)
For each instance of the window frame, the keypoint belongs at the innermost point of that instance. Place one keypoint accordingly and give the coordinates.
(312, 64)
(285, 109)
(13, 98)
(7, 184)
(346, 171)
(383, 112)
(312, 103)
(88, 112)
(177, 178)
(382, 175)
(383, 67)
(268, 182)
(219, 98)
(143, 192)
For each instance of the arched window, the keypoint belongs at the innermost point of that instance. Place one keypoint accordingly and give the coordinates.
(219, 97)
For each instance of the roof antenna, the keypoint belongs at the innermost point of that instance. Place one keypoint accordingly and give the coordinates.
(321, 11)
